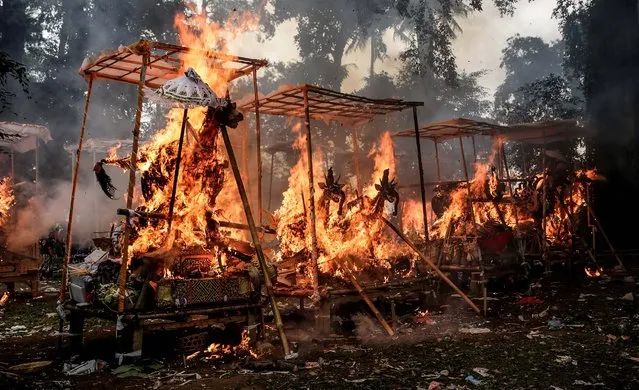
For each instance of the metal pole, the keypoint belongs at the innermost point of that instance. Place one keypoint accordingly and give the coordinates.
(255, 238)
(270, 184)
(129, 197)
(258, 148)
(176, 175)
(439, 175)
(67, 257)
(421, 173)
(309, 156)
(358, 173)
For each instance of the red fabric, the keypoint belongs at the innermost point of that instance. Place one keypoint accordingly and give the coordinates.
(496, 243)
(529, 301)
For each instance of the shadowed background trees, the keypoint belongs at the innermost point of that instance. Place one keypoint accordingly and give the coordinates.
(589, 74)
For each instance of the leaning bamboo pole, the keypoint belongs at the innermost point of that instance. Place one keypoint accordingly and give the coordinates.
(256, 241)
(258, 148)
(129, 197)
(431, 265)
(67, 257)
(420, 165)
(365, 297)
(309, 157)
(358, 173)
(176, 175)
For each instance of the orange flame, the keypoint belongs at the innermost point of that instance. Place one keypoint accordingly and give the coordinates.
(354, 234)
(7, 199)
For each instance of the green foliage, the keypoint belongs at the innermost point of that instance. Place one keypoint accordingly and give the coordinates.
(10, 70)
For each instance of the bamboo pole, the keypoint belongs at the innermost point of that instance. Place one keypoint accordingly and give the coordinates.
(74, 186)
(255, 238)
(603, 233)
(37, 166)
(258, 148)
(270, 183)
(309, 156)
(470, 199)
(431, 265)
(543, 204)
(510, 190)
(245, 158)
(439, 175)
(176, 175)
(474, 149)
(96, 215)
(365, 297)
(358, 173)
(129, 197)
(421, 173)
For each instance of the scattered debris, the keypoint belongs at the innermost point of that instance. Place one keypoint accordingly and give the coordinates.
(555, 324)
(84, 368)
(474, 330)
(628, 297)
(584, 383)
(481, 371)
(530, 301)
(434, 386)
(30, 368)
(564, 359)
(473, 380)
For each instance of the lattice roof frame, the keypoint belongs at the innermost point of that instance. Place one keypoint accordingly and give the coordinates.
(326, 104)
(453, 128)
(165, 63)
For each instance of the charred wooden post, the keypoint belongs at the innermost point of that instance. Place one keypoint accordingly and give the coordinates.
(129, 197)
(67, 257)
(245, 158)
(543, 204)
(365, 297)
(176, 175)
(311, 185)
(603, 233)
(439, 175)
(431, 264)
(258, 147)
(470, 199)
(512, 198)
(256, 241)
(474, 149)
(270, 184)
(421, 172)
(358, 173)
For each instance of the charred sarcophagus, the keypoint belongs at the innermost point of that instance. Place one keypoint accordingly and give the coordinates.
(192, 292)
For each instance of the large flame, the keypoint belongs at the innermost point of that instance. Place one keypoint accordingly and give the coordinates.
(354, 235)
(203, 165)
(7, 199)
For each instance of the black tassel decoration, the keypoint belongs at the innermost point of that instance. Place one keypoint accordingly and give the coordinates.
(104, 179)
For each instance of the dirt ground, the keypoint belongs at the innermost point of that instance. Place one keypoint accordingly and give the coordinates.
(514, 347)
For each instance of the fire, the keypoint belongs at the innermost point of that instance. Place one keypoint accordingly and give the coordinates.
(220, 351)
(355, 234)
(412, 216)
(203, 195)
(7, 199)
(593, 271)
(492, 205)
